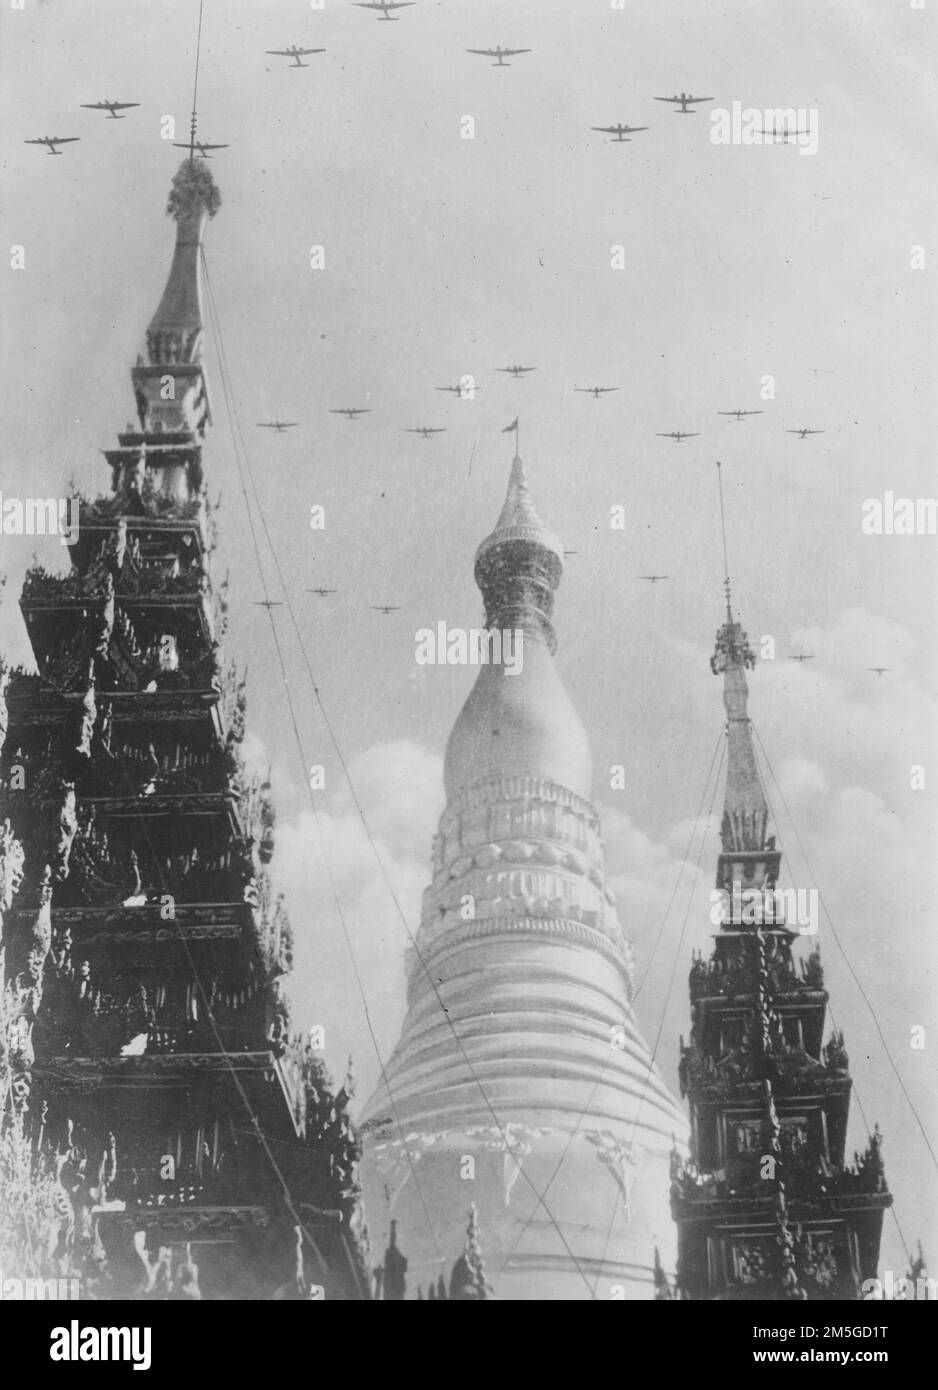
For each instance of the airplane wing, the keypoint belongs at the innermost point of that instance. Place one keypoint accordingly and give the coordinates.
(513, 52)
(485, 52)
(304, 51)
(57, 140)
(96, 105)
(284, 52)
(677, 99)
(607, 129)
(699, 98)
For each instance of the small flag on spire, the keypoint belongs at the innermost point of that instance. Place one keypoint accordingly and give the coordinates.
(513, 426)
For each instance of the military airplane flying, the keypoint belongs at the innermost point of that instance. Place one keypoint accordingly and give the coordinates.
(384, 6)
(278, 425)
(619, 132)
(595, 391)
(499, 53)
(738, 414)
(295, 53)
(201, 145)
(803, 434)
(111, 107)
(516, 371)
(426, 430)
(53, 140)
(678, 435)
(684, 101)
(350, 411)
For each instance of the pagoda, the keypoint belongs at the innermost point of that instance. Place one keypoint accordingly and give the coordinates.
(768, 1207)
(198, 1148)
(521, 1079)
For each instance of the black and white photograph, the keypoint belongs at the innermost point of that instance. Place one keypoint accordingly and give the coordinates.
(468, 598)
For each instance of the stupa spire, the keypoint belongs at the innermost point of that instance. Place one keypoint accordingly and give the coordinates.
(519, 564)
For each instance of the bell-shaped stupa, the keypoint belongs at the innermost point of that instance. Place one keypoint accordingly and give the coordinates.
(521, 1081)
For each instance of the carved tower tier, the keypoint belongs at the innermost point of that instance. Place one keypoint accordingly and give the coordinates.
(768, 1208)
(198, 1148)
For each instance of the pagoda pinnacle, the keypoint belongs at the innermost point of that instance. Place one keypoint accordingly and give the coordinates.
(175, 331)
(519, 564)
(170, 387)
(745, 813)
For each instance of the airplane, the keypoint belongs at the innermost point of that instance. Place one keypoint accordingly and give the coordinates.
(384, 6)
(351, 411)
(738, 414)
(385, 608)
(323, 593)
(595, 391)
(278, 425)
(804, 433)
(880, 670)
(53, 140)
(426, 431)
(802, 656)
(677, 435)
(782, 134)
(619, 132)
(265, 603)
(684, 101)
(295, 53)
(464, 391)
(516, 371)
(653, 578)
(111, 107)
(199, 145)
(499, 53)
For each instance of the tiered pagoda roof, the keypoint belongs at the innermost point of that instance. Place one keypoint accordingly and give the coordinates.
(145, 947)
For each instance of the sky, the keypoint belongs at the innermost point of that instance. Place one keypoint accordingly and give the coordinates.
(682, 272)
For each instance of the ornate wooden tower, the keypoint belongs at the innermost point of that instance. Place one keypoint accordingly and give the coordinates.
(767, 1208)
(198, 1148)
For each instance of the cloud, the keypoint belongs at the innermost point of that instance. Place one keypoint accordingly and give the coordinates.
(333, 874)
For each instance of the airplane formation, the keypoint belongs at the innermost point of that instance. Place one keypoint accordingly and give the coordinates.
(619, 132)
(467, 389)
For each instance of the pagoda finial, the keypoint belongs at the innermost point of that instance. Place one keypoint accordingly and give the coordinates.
(468, 1282)
(726, 563)
(175, 332)
(745, 815)
(519, 564)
